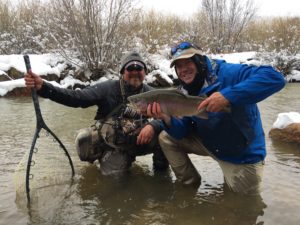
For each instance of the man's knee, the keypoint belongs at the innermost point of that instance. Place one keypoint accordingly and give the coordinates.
(86, 143)
(115, 162)
(244, 179)
(165, 139)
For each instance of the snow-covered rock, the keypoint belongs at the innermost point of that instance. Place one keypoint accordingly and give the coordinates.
(286, 127)
(285, 119)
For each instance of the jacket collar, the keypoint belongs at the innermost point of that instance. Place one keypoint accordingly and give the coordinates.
(212, 83)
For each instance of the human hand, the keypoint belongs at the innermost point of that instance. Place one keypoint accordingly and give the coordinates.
(32, 80)
(154, 110)
(145, 135)
(214, 103)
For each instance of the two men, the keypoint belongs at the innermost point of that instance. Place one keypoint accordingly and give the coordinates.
(236, 139)
(121, 134)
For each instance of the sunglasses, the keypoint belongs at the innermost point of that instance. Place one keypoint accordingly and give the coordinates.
(134, 68)
(182, 46)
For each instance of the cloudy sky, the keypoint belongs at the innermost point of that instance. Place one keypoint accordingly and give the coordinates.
(186, 7)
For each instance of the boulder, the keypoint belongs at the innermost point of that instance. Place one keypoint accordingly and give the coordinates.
(51, 77)
(97, 74)
(4, 77)
(19, 91)
(15, 74)
(80, 75)
(162, 80)
(290, 133)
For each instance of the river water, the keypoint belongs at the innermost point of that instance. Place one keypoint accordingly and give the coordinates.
(144, 197)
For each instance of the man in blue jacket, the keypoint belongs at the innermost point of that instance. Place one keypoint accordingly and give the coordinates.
(236, 139)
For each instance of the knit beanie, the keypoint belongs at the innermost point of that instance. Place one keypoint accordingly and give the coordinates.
(129, 57)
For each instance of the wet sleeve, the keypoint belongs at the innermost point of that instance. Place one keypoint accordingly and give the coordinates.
(156, 124)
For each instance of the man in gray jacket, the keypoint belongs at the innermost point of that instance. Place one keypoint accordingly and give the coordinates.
(121, 133)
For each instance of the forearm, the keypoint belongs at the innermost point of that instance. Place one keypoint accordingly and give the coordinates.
(65, 96)
(264, 82)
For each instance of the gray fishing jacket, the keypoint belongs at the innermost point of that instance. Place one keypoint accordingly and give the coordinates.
(106, 95)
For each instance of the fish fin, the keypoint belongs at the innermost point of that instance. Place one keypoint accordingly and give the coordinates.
(226, 109)
(202, 113)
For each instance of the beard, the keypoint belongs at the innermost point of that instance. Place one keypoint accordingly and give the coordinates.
(135, 82)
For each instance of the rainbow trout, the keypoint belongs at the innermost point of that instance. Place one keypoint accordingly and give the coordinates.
(172, 102)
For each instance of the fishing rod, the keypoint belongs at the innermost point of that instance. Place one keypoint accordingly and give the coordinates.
(40, 124)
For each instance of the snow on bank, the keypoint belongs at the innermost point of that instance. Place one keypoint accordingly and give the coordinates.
(295, 75)
(41, 64)
(6, 86)
(285, 119)
(55, 64)
(238, 57)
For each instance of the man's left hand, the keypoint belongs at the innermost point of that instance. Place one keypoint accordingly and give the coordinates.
(146, 135)
(214, 103)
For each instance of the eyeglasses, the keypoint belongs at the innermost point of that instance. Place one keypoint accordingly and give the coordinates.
(134, 67)
(182, 46)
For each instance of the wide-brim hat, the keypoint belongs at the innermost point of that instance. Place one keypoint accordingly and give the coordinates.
(185, 54)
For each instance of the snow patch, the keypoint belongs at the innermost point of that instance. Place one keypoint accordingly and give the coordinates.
(6, 86)
(285, 119)
(41, 64)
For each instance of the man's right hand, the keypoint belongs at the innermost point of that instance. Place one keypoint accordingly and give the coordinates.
(154, 110)
(32, 80)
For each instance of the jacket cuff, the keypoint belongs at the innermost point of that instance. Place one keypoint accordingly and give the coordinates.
(156, 124)
(45, 90)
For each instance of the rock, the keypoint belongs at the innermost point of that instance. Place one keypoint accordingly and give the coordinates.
(14, 73)
(50, 77)
(161, 80)
(97, 74)
(80, 75)
(19, 91)
(4, 77)
(291, 133)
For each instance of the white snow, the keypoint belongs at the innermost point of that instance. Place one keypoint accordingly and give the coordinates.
(6, 86)
(285, 119)
(54, 64)
(295, 74)
(70, 81)
(239, 57)
(41, 64)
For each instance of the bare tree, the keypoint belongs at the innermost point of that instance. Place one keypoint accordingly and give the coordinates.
(226, 19)
(92, 28)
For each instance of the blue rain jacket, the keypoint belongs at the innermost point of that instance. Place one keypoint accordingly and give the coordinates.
(235, 137)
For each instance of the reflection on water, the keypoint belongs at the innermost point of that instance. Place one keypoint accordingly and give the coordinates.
(140, 199)
(144, 197)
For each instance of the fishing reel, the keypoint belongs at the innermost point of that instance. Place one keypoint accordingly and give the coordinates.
(131, 113)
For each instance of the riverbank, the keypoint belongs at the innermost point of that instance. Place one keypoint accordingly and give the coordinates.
(60, 72)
